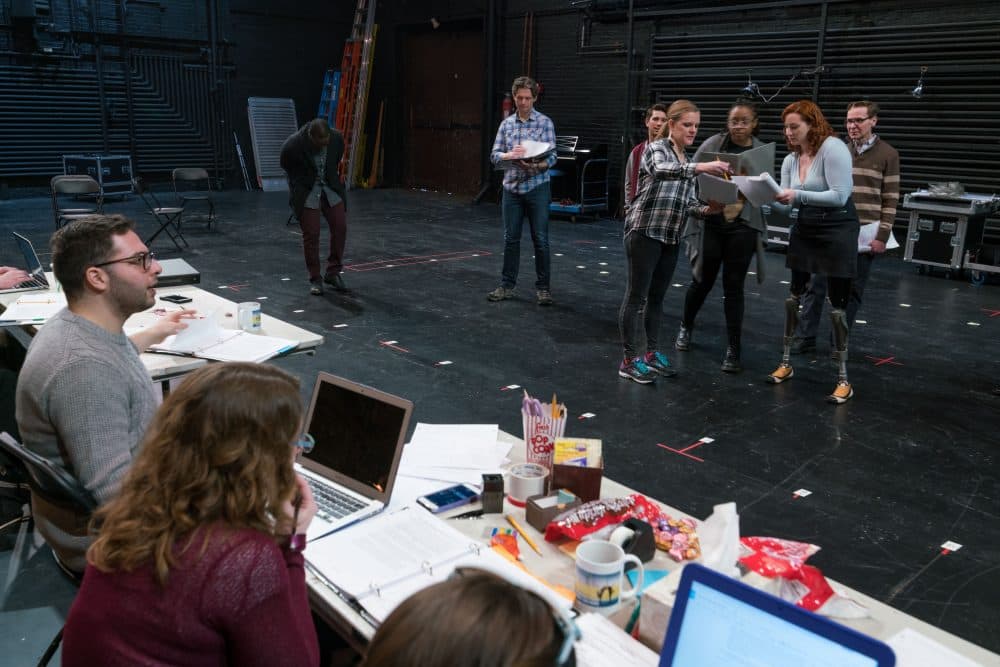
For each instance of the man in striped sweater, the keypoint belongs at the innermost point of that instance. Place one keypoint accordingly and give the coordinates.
(876, 193)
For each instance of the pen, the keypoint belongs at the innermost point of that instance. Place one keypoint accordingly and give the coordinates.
(527, 538)
(24, 321)
(474, 514)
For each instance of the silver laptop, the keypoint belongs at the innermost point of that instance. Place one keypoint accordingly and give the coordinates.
(359, 434)
(36, 272)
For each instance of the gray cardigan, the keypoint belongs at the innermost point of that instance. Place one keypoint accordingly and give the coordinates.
(750, 216)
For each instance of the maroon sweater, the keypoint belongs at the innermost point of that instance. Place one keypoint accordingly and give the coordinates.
(243, 602)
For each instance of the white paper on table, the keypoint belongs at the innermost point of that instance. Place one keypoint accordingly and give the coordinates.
(454, 446)
(604, 643)
(868, 233)
(758, 190)
(913, 649)
(35, 307)
(204, 338)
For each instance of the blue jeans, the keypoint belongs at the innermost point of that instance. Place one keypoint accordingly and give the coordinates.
(535, 205)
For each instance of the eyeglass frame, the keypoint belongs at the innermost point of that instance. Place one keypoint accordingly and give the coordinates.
(142, 259)
(739, 123)
(856, 121)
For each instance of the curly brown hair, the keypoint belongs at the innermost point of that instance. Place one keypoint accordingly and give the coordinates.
(819, 128)
(219, 451)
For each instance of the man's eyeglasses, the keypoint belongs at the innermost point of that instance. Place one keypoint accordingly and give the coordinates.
(306, 443)
(856, 121)
(142, 259)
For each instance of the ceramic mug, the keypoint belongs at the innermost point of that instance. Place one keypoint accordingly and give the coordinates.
(248, 316)
(600, 569)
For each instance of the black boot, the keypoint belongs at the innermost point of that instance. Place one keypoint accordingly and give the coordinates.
(731, 364)
(683, 341)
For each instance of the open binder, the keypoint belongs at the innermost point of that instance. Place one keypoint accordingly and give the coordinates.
(205, 339)
(379, 562)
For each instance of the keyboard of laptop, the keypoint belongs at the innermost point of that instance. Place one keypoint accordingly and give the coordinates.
(331, 503)
(33, 283)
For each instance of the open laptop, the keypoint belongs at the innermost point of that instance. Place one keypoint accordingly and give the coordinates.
(718, 621)
(359, 434)
(34, 268)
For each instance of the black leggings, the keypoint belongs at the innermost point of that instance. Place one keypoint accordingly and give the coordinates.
(729, 246)
(838, 290)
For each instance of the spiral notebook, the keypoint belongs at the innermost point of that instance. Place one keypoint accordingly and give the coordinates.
(380, 562)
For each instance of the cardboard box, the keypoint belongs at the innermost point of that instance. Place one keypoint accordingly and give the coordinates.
(541, 509)
(583, 481)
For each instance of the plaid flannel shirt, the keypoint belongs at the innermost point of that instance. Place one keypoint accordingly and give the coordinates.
(666, 195)
(512, 132)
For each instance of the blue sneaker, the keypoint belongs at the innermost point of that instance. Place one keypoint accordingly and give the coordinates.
(659, 363)
(636, 370)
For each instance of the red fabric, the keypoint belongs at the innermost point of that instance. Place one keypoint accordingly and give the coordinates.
(243, 602)
(635, 161)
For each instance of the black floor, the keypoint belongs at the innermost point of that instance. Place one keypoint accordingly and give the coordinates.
(907, 465)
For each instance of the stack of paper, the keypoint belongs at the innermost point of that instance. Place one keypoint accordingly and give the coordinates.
(440, 455)
(34, 308)
(533, 150)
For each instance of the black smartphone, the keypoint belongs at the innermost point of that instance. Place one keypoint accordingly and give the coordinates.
(175, 298)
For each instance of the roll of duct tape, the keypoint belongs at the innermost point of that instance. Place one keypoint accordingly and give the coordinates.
(526, 480)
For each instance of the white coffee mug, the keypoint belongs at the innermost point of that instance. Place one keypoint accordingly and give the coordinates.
(248, 316)
(600, 569)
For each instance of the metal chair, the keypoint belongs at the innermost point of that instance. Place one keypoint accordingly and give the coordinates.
(74, 185)
(193, 184)
(56, 486)
(168, 217)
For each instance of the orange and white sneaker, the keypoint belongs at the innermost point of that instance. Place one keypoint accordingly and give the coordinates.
(780, 374)
(841, 394)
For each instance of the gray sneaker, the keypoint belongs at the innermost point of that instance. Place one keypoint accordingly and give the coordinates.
(544, 297)
(500, 293)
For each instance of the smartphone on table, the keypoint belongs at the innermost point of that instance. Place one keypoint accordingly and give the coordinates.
(446, 499)
(175, 298)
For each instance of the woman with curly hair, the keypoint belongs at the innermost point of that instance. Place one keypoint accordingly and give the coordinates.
(817, 180)
(198, 559)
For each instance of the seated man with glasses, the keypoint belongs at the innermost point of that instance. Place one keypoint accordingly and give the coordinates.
(84, 397)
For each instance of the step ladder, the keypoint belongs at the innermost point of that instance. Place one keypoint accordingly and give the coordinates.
(329, 96)
(354, 77)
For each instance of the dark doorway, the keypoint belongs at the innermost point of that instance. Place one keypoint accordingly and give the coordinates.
(443, 84)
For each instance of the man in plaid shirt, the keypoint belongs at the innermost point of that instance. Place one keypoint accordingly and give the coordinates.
(526, 189)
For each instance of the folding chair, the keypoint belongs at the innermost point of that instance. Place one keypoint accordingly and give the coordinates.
(193, 184)
(168, 217)
(57, 487)
(73, 185)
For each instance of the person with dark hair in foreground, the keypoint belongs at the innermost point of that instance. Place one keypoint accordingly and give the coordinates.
(198, 560)
(473, 619)
(84, 397)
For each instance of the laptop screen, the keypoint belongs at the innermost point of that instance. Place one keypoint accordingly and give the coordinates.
(725, 623)
(34, 266)
(359, 433)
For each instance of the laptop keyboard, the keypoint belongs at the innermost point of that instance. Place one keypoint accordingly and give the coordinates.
(28, 284)
(333, 504)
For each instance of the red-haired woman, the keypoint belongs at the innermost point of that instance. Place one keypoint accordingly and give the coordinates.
(198, 560)
(817, 181)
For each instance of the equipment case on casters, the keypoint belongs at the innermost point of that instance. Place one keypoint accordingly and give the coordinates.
(112, 172)
(945, 230)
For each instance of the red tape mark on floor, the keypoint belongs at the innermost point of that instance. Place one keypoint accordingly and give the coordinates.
(235, 287)
(392, 345)
(990, 312)
(396, 262)
(684, 452)
(882, 361)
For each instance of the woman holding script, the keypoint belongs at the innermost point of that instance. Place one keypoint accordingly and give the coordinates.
(667, 194)
(816, 180)
(198, 559)
(725, 240)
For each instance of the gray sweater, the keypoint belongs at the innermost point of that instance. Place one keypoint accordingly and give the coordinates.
(84, 400)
